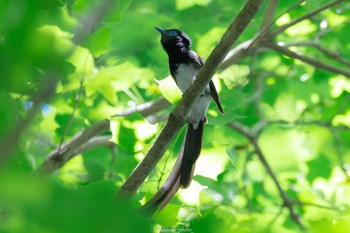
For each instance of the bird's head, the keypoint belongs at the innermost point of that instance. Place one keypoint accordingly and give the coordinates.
(173, 38)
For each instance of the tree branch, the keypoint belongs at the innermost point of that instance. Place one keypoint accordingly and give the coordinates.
(286, 201)
(269, 13)
(333, 55)
(61, 155)
(311, 61)
(327, 125)
(178, 116)
(316, 45)
(251, 46)
(239, 53)
(254, 141)
(95, 142)
(301, 203)
(338, 149)
(71, 118)
(306, 16)
(146, 109)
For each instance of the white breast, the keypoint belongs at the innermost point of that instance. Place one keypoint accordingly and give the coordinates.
(185, 75)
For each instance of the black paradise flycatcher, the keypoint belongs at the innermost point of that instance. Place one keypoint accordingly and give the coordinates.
(184, 65)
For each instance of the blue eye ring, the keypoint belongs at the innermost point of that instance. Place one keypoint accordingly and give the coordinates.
(172, 33)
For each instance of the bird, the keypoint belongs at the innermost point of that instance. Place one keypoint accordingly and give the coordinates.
(184, 65)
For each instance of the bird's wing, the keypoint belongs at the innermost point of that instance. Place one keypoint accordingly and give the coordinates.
(215, 96)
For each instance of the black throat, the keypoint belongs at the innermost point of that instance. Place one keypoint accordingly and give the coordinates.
(178, 54)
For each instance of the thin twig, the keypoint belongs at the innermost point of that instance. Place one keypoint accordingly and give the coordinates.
(265, 32)
(71, 118)
(311, 61)
(264, 35)
(237, 54)
(253, 140)
(269, 13)
(333, 55)
(146, 109)
(306, 16)
(314, 44)
(252, 46)
(337, 145)
(327, 125)
(286, 201)
(59, 157)
(290, 9)
(95, 142)
(302, 203)
(162, 172)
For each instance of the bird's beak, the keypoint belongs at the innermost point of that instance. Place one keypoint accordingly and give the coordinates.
(162, 31)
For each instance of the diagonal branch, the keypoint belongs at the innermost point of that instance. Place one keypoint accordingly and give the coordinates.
(306, 16)
(333, 55)
(286, 201)
(178, 116)
(252, 46)
(62, 154)
(269, 13)
(254, 141)
(71, 118)
(311, 61)
(238, 53)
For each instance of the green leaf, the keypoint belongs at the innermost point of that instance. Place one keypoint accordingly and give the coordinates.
(41, 205)
(235, 76)
(230, 100)
(321, 166)
(169, 89)
(288, 108)
(97, 162)
(103, 189)
(99, 42)
(168, 216)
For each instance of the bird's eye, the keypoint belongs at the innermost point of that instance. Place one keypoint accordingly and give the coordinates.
(172, 33)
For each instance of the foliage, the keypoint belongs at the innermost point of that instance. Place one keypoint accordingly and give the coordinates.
(279, 154)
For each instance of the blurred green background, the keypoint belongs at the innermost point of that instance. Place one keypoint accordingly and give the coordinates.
(66, 65)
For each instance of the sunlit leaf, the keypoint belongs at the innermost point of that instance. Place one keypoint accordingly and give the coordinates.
(230, 100)
(168, 217)
(169, 89)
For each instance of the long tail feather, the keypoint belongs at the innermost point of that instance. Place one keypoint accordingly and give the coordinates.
(191, 151)
(182, 173)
